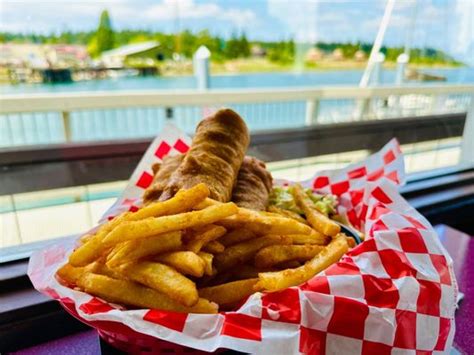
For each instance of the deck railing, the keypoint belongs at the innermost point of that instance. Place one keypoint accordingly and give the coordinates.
(297, 131)
(31, 119)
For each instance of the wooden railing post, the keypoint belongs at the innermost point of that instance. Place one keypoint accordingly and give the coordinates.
(66, 116)
(312, 112)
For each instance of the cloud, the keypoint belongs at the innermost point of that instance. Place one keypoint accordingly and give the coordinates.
(188, 9)
(53, 15)
(445, 24)
(239, 17)
(300, 18)
(184, 9)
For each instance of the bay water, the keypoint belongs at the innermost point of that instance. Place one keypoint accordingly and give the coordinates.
(92, 125)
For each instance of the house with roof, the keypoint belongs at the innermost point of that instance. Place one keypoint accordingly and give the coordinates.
(144, 54)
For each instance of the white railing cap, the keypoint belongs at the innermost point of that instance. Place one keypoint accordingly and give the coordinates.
(18, 103)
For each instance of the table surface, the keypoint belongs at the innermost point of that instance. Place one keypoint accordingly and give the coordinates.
(461, 248)
(459, 245)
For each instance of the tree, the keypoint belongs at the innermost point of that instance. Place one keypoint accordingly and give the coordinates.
(104, 37)
(204, 38)
(186, 43)
(282, 52)
(237, 47)
(232, 47)
(244, 46)
(167, 44)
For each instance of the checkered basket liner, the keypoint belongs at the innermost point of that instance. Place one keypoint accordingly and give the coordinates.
(393, 294)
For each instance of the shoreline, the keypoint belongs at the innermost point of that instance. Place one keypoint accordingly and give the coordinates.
(221, 72)
(259, 66)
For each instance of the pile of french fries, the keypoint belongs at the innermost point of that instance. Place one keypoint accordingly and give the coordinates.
(196, 255)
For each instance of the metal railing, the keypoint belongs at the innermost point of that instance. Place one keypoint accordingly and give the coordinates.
(74, 117)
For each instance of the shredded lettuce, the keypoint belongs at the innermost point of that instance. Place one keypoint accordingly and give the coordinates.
(324, 203)
(281, 197)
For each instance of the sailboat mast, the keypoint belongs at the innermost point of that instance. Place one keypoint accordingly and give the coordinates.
(364, 81)
(411, 29)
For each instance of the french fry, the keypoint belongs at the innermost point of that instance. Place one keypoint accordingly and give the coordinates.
(133, 250)
(229, 292)
(85, 238)
(214, 247)
(315, 218)
(130, 230)
(243, 252)
(287, 214)
(206, 203)
(203, 236)
(92, 249)
(132, 294)
(186, 262)
(164, 279)
(260, 223)
(103, 269)
(276, 254)
(271, 214)
(183, 201)
(71, 274)
(88, 252)
(314, 238)
(279, 280)
(351, 242)
(207, 258)
(236, 236)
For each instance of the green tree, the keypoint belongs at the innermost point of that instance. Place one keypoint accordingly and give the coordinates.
(244, 46)
(349, 49)
(167, 43)
(204, 38)
(237, 47)
(104, 37)
(186, 43)
(231, 49)
(282, 52)
(139, 38)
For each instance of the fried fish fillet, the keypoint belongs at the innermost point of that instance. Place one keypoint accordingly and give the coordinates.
(254, 184)
(215, 156)
(162, 173)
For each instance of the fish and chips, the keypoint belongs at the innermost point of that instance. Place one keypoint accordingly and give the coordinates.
(212, 231)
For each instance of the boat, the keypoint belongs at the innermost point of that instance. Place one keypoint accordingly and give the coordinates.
(416, 75)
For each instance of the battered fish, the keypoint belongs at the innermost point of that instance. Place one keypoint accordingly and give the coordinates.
(254, 184)
(162, 175)
(216, 154)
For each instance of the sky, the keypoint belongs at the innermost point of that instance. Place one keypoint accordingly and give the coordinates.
(443, 24)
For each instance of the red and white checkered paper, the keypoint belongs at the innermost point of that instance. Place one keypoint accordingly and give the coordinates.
(394, 293)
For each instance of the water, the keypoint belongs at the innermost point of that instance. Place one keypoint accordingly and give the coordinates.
(256, 80)
(92, 125)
